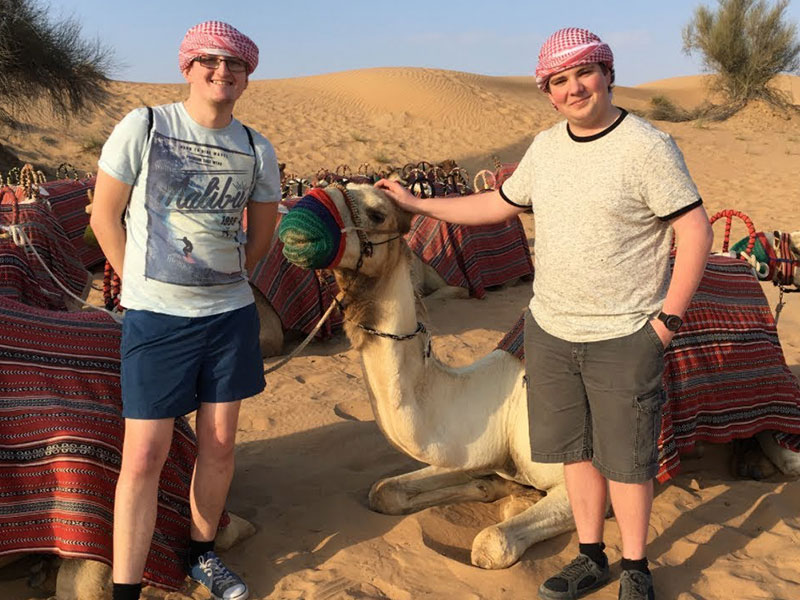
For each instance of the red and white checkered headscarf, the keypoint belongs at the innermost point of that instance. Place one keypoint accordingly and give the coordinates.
(568, 48)
(216, 37)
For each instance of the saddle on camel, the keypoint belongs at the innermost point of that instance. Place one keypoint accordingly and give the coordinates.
(725, 378)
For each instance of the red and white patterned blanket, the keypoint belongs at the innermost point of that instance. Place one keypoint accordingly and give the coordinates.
(725, 374)
(61, 435)
(473, 257)
(68, 199)
(22, 275)
(298, 296)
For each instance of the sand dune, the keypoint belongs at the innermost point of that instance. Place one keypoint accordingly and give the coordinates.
(308, 446)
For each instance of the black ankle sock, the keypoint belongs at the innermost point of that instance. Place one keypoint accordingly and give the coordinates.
(197, 549)
(635, 565)
(595, 552)
(126, 591)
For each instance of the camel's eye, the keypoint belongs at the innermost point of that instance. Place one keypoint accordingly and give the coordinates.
(375, 216)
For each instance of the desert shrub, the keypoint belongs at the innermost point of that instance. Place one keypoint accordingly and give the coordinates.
(746, 43)
(41, 58)
(664, 109)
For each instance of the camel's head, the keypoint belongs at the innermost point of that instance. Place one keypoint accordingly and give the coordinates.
(326, 230)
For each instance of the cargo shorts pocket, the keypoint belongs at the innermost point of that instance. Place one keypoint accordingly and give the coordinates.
(653, 337)
(648, 428)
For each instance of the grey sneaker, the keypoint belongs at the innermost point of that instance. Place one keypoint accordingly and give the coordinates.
(635, 585)
(223, 583)
(577, 579)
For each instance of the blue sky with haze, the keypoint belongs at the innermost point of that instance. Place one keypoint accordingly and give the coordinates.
(297, 38)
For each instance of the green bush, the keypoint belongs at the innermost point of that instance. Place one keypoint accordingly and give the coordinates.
(746, 43)
(663, 109)
(40, 58)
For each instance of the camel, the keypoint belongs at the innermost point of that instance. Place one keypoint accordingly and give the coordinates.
(481, 452)
(468, 424)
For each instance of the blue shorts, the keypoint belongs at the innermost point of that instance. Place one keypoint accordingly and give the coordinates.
(172, 364)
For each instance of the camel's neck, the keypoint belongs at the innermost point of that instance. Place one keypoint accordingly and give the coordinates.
(410, 392)
(385, 303)
(392, 367)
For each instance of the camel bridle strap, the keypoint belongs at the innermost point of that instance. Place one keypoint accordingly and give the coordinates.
(305, 342)
(366, 246)
(786, 263)
(395, 336)
(399, 337)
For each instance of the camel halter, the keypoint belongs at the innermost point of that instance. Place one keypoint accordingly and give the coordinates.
(366, 246)
(366, 249)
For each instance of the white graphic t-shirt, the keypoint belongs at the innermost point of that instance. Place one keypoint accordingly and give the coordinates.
(184, 253)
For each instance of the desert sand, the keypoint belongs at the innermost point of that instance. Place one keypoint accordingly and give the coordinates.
(308, 447)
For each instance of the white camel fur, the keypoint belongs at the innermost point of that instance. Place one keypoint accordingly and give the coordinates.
(469, 424)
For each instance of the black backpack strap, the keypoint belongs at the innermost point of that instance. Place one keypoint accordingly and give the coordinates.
(250, 138)
(255, 158)
(149, 123)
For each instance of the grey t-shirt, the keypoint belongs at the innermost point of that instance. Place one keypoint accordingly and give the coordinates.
(184, 253)
(602, 205)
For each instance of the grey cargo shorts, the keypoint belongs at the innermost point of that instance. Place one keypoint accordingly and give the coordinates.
(596, 401)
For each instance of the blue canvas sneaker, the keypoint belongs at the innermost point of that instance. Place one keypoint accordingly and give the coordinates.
(223, 583)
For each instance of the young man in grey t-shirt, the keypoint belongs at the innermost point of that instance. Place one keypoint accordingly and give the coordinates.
(607, 190)
(182, 175)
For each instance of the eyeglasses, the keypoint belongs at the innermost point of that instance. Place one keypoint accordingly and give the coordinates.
(213, 62)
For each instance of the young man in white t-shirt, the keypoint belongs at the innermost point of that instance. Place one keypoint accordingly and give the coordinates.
(182, 175)
(607, 189)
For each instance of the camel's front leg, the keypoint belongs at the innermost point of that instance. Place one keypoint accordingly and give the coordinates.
(501, 545)
(432, 486)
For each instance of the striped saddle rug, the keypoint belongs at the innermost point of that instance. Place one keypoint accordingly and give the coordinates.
(725, 374)
(22, 275)
(475, 258)
(61, 435)
(68, 199)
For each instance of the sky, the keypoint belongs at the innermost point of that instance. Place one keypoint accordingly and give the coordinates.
(297, 38)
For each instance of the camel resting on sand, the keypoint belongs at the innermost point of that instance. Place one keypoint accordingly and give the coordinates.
(468, 424)
(419, 403)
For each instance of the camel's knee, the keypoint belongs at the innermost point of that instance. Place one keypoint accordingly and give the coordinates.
(83, 580)
(492, 549)
(389, 497)
(238, 529)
